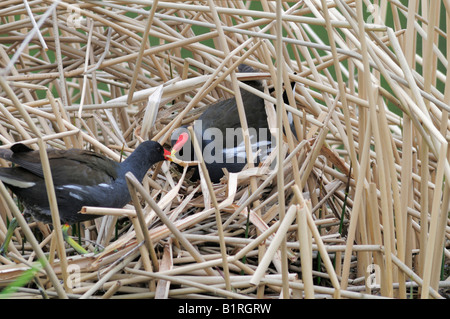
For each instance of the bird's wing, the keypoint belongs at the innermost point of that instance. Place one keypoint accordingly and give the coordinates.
(18, 177)
(73, 166)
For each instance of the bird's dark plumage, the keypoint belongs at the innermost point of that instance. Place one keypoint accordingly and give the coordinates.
(80, 177)
(220, 135)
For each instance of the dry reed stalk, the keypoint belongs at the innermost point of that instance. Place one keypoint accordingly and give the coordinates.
(143, 46)
(162, 289)
(198, 152)
(212, 289)
(140, 216)
(305, 253)
(166, 221)
(30, 237)
(274, 246)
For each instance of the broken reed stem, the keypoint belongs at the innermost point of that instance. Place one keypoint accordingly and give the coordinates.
(433, 251)
(217, 212)
(411, 274)
(194, 253)
(91, 210)
(305, 252)
(274, 246)
(357, 205)
(231, 259)
(212, 289)
(313, 228)
(32, 239)
(141, 50)
(109, 273)
(279, 113)
(35, 26)
(140, 217)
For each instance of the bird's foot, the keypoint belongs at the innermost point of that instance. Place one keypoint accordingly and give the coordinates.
(71, 241)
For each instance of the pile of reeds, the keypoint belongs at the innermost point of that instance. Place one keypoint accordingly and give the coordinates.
(356, 208)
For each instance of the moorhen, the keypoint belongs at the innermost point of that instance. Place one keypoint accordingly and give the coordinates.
(219, 133)
(80, 177)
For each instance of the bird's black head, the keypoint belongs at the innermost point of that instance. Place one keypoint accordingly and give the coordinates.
(151, 152)
(143, 157)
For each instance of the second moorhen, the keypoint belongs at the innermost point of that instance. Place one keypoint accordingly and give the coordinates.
(80, 178)
(220, 135)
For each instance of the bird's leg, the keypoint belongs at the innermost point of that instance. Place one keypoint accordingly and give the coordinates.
(71, 241)
(12, 226)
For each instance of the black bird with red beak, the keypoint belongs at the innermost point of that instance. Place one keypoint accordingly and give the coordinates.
(80, 178)
(219, 133)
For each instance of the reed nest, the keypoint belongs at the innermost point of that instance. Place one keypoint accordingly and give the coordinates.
(356, 207)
